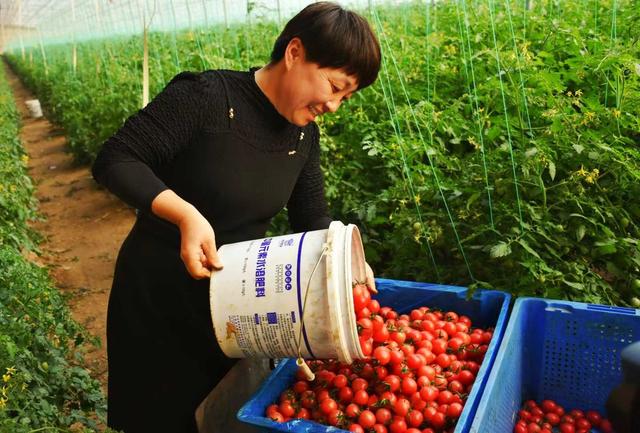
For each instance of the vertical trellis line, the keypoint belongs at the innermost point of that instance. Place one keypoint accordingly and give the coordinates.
(44, 55)
(196, 37)
(157, 52)
(20, 30)
(101, 59)
(173, 36)
(525, 9)
(207, 24)
(474, 100)
(612, 41)
(428, 31)
(393, 115)
(506, 114)
(74, 59)
(596, 44)
(247, 38)
(519, 66)
(419, 130)
(142, 10)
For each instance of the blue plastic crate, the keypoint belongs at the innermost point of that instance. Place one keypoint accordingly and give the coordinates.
(485, 308)
(565, 351)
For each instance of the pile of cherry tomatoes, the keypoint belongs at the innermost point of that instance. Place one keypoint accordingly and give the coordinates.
(548, 417)
(419, 371)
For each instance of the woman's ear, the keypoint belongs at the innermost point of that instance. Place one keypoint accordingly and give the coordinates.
(294, 53)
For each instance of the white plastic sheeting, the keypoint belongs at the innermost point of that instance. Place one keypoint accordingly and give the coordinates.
(29, 22)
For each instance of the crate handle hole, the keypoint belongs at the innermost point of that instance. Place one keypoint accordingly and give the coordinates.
(560, 308)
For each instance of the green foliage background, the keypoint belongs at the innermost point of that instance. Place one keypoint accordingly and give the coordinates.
(43, 384)
(499, 148)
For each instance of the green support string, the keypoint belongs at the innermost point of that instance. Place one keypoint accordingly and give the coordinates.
(417, 125)
(519, 66)
(612, 41)
(389, 100)
(506, 114)
(473, 97)
(176, 58)
(393, 115)
(428, 31)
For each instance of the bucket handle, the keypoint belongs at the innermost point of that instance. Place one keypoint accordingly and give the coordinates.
(302, 364)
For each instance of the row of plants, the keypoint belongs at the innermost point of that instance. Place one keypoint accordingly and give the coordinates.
(43, 383)
(498, 148)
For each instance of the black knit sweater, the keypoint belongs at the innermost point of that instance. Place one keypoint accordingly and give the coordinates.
(216, 140)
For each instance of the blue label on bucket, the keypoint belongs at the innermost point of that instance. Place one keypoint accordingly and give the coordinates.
(261, 263)
(256, 318)
(272, 318)
(287, 242)
(287, 277)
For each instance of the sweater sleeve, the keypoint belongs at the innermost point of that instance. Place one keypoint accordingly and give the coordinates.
(307, 207)
(128, 161)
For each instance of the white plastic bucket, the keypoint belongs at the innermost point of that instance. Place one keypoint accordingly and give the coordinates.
(35, 110)
(258, 298)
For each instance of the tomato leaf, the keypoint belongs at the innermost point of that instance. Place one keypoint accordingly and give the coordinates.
(552, 170)
(501, 249)
(526, 246)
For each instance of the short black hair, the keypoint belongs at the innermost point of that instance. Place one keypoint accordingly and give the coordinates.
(333, 37)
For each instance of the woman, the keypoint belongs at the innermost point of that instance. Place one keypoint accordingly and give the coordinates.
(210, 161)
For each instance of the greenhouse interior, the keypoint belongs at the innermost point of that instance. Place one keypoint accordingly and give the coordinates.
(433, 225)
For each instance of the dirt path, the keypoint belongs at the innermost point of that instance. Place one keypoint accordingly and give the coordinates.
(83, 228)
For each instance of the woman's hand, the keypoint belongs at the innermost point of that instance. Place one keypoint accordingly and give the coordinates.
(370, 279)
(197, 239)
(198, 245)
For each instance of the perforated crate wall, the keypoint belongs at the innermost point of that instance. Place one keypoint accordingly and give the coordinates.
(565, 351)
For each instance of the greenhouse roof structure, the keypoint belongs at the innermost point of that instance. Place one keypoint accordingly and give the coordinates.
(30, 22)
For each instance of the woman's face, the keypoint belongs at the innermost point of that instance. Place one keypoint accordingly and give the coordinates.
(309, 91)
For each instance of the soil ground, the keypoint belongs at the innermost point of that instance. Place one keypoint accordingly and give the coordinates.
(83, 225)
